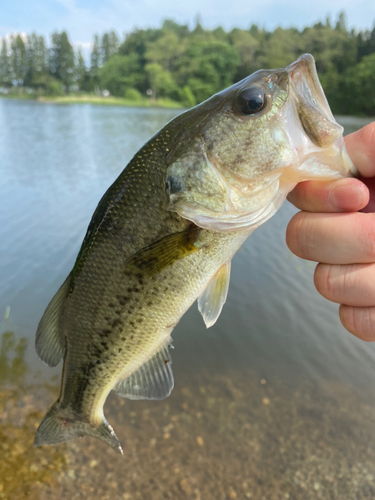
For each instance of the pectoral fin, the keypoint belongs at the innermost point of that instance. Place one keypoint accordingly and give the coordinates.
(211, 302)
(50, 342)
(164, 252)
(153, 380)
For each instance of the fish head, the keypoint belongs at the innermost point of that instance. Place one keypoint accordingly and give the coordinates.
(245, 148)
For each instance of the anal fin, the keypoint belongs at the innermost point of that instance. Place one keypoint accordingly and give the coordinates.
(50, 343)
(211, 302)
(153, 380)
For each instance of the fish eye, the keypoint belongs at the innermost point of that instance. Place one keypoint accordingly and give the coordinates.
(251, 101)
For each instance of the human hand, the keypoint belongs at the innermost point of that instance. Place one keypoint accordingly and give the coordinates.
(332, 232)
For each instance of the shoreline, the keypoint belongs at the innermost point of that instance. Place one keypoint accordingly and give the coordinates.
(117, 101)
(99, 100)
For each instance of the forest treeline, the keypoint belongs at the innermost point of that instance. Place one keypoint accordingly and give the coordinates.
(188, 65)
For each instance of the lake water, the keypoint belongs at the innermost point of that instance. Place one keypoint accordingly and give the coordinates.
(276, 401)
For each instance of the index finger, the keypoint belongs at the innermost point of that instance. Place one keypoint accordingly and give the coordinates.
(345, 194)
(361, 149)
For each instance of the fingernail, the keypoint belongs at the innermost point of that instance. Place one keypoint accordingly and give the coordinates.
(347, 198)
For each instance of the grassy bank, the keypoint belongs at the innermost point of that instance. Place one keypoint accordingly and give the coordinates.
(94, 99)
(23, 97)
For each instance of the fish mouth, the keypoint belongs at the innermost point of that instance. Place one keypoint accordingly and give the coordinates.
(320, 139)
(305, 81)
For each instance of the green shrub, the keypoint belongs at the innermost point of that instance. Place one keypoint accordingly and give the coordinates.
(133, 95)
(53, 88)
(187, 97)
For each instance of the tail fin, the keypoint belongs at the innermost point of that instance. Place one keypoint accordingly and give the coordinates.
(56, 429)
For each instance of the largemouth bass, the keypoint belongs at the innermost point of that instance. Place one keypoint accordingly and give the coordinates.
(164, 235)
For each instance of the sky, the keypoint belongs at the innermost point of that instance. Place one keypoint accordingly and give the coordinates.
(82, 18)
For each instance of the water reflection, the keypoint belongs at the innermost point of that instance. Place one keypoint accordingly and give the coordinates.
(69, 145)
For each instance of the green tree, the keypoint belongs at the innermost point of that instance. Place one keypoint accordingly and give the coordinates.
(161, 81)
(109, 45)
(136, 43)
(358, 88)
(181, 30)
(36, 53)
(62, 61)
(95, 59)
(18, 59)
(5, 67)
(365, 43)
(247, 47)
(371, 42)
(120, 73)
(187, 97)
(165, 51)
(341, 21)
(105, 51)
(281, 48)
(80, 70)
(207, 67)
(334, 49)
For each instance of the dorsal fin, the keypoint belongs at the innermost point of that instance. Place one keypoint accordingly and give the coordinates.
(50, 342)
(211, 302)
(153, 380)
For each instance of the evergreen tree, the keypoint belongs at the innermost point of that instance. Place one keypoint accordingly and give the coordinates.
(80, 70)
(371, 42)
(62, 60)
(365, 43)
(18, 59)
(105, 48)
(359, 86)
(5, 69)
(95, 59)
(36, 54)
(341, 22)
(109, 46)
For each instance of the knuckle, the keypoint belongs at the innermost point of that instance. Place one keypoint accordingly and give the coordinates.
(367, 231)
(321, 279)
(360, 321)
(334, 281)
(364, 322)
(294, 196)
(305, 194)
(298, 195)
(298, 234)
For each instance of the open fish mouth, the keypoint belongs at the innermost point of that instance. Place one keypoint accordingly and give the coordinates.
(326, 146)
(310, 96)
